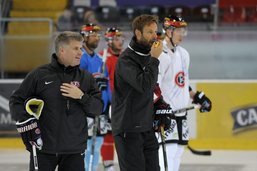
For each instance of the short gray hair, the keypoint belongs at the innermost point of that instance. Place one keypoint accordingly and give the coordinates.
(65, 37)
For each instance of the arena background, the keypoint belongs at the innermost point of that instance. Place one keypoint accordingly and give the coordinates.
(222, 41)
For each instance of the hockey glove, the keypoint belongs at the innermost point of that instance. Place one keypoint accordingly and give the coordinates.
(101, 81)
(30, 133)
(204, 101)
(162, 115)
(34, 107)
(104, 125)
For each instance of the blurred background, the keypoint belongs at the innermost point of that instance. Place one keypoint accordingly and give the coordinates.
(222, 43)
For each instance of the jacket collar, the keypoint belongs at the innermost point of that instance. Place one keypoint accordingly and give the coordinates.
(55, 64)
(139, 48)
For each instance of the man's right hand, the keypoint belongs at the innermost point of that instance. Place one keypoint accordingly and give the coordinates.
(30, 133)
(162, 115)
(156, 49)
(101, 81)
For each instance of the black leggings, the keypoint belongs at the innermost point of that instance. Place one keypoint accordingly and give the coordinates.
(137, 151)
(65, 162)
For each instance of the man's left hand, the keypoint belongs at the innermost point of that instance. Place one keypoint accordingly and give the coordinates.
(204, 101)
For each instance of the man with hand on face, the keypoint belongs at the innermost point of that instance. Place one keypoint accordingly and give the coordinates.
(69, 95)
(132, 102)
(93, 63)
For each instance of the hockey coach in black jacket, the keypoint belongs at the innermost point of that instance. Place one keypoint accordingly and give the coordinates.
(132, 106)
(51, 108)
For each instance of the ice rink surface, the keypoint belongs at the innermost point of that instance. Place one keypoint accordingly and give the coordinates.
(17, 160)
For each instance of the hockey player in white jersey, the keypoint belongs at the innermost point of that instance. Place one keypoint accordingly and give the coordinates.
(173, 80)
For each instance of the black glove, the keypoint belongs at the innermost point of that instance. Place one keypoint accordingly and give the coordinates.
(162, 115)
(101, 81)
(30, 133)
(204, 101)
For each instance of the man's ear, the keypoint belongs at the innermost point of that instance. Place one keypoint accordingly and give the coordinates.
(61, 49)
(138, 34)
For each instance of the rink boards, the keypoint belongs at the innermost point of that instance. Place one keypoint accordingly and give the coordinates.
(232, 123)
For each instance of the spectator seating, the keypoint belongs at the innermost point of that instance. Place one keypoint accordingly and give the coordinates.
(202, 13)
(157, 10)
(251, 14)
(27, 44)
(79, 13)
(238, 11)
(23, 55)
(180, 10)
(107, 14)
(34, 9)
(39, 5)
(128, 13)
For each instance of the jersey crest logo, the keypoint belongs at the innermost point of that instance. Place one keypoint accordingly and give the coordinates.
(76, 83)
(180, 79)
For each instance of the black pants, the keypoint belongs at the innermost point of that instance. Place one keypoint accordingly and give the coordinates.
(137, 151)
(65, 162)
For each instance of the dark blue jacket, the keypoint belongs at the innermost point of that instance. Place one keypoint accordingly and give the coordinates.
(63, 120)
(132, 101)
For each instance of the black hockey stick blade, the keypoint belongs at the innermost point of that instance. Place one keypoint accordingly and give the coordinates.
(197, 152)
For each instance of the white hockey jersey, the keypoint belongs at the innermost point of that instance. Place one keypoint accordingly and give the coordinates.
(173, 77)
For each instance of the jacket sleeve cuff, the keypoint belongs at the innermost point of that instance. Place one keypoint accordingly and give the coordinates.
(84, 98)
(155, 61)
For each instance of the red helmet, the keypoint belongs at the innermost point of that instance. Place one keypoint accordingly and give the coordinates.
(111, 33)
(89, 28)
(174, 22)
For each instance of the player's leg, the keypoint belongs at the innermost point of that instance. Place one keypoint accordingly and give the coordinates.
(45, 161)
(88, 153)
(99, 142)
(183, 131)
(177, 158)
(71, 162)
(171, 149)
(107, 152)
(129, 148)
(151, 147)
(172, 139)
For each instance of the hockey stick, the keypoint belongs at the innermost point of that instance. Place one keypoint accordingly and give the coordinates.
(194, 151)
(164, 149)
(185, 109)
(104, 57)
(91, 159)
(34, 152)
(197, 152)
(163, 136)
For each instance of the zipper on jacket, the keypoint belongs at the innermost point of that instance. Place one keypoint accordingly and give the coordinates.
(67, 100)
(68, 104)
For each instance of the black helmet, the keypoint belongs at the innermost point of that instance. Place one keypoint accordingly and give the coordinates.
(89, 28)
(173, 21)
(111, 33)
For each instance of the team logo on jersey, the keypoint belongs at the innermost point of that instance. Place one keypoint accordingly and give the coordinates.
(76, 83)
(180, 79)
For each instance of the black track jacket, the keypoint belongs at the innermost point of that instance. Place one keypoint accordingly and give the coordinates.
(135, 77)
(63, 120)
